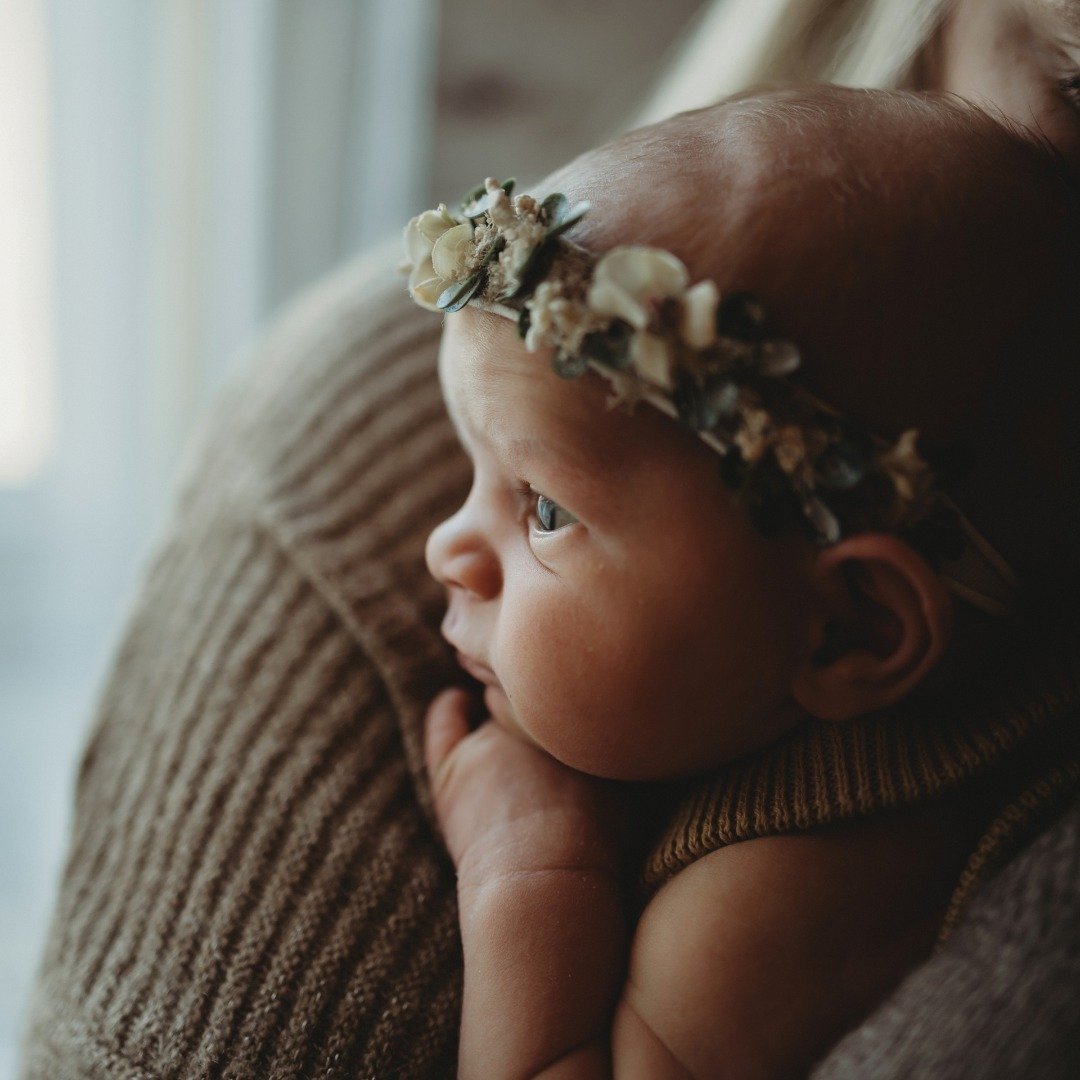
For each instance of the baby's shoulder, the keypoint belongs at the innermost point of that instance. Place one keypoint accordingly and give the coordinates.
(760, 955)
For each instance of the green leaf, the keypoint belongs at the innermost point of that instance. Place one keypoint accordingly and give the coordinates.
(741, 315)
(822, 521)
(535, 268)
(554, 208)
(556, 214)
(611, 346)
(569, 367)
(477, 193)
(539, 260)
(776, 358)
(493, 251)
(456, 296)
(689, 401)
(843, 464)
(478, 202)
(571, 218)
(722, 395)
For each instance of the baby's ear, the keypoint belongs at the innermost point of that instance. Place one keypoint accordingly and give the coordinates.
(885, 621)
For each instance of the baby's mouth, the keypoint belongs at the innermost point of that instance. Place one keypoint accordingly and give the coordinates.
(480, 672)
(495, 699)
(501, 711)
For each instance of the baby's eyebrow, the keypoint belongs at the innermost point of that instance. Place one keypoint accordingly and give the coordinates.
(584, 468)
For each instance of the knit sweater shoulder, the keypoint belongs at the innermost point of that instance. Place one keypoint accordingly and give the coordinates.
(254, 885)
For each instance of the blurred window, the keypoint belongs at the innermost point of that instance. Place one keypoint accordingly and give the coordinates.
(26, 401)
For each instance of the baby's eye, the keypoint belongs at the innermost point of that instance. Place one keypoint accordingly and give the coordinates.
(551, 515)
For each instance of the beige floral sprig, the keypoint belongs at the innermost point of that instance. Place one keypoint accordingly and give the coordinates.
(485, 250)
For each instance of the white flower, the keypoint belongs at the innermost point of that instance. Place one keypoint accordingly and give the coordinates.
(790, 449)
(450, 255)
(911, 476)
(626, 279)
(651, 356)
(430, 232)
(500, 209)
(823, 520)
(522, 238)
(559, 318)
(755, 435)
(795, 449)
(699, 315)
(776, 357)
(543, 325)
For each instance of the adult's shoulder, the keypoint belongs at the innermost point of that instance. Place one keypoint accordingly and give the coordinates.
(351, 349)
(331, 438)
(1000, 998)
(253, 887)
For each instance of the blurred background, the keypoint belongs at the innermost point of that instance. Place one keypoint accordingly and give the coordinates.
(172, 172)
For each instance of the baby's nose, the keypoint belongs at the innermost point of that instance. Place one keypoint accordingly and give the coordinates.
(460, 556)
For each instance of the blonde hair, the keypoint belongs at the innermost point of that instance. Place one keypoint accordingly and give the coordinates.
(736, 44)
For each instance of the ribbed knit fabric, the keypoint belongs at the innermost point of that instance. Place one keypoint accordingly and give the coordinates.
(1000, 1002)
(254, 887)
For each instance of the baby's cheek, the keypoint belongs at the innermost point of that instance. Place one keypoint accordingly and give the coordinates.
(587, 691)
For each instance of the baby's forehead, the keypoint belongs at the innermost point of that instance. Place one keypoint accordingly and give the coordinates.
(510, 400)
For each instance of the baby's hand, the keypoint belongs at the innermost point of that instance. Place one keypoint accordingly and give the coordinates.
(507, 808)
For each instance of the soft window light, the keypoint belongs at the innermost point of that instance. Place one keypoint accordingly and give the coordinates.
(26, 377)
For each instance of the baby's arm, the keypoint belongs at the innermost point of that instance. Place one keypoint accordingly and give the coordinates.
(541, 916)
(748, 964)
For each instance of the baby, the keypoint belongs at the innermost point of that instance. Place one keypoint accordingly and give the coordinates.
(783, 293)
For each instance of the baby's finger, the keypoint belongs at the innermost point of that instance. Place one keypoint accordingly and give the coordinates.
(445, 725)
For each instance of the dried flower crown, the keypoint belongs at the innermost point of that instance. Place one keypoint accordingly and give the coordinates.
(632, 315)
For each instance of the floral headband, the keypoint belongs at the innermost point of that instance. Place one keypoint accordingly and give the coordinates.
(632, 316)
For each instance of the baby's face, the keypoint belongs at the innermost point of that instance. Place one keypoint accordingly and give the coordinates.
(617, 604)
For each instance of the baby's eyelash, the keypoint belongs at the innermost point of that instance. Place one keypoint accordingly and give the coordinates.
(1070, 88)
(527, 496)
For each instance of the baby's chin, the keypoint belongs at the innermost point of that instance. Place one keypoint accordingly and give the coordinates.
(502, 712)
(593, 758)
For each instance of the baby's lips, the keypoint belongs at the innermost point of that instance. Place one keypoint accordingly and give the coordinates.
(501, 711)
(480, 672)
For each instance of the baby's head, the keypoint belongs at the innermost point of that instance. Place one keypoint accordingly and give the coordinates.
(606, 582)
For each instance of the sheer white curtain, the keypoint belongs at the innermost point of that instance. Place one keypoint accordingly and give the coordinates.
(200, 161)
